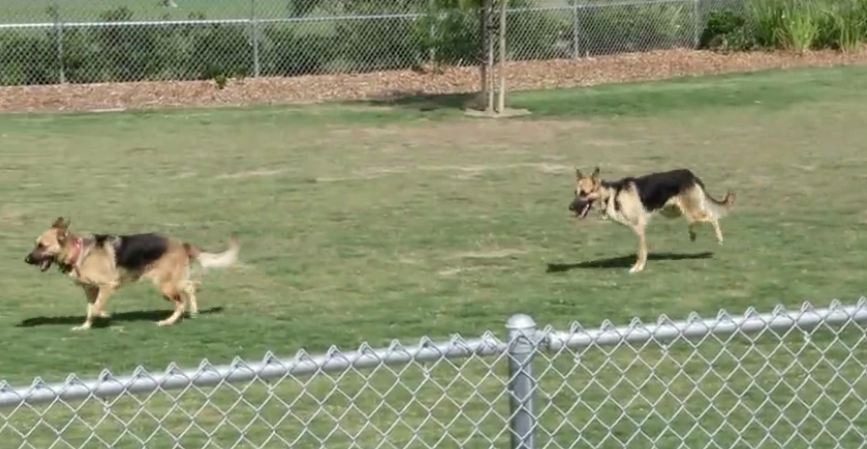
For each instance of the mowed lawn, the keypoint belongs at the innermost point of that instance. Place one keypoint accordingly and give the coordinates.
(368, 222)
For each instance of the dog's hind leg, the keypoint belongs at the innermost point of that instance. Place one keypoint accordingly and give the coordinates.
(716, 229)
(189, 293)
(171, 293)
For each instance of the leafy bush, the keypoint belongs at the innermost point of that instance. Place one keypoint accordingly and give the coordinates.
(796, 25)
(726, 30)
(28, 59)
(614, 29)
(448, 34)
(287, 52)
(534, 34)
(377, 43)
(844, 25)
(132, 52)
(218, 49)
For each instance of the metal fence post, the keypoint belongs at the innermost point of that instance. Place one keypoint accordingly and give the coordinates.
(58, 37)
(576, 29)
(254, 35)
(698, 24)
(522, 383)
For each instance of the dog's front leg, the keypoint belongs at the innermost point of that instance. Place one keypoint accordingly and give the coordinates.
(641, 259)
(96, 299)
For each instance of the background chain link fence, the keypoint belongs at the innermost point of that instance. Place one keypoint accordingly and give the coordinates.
(87, 41)
(790, 378)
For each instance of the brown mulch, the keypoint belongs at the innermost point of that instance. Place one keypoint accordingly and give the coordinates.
(306, 89)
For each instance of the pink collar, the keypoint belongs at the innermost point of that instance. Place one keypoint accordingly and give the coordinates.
(77, 245)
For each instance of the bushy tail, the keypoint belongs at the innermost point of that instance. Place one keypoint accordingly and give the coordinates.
(224, 259)
(720, 208)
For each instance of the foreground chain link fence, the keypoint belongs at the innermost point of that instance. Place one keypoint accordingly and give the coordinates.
(788, 378)
(87, 41)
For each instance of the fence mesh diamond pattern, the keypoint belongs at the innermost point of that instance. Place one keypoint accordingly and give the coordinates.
(85, 41)
(793, 379)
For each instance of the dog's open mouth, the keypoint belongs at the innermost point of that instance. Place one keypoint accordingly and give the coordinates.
(586, 209)
(45, 265)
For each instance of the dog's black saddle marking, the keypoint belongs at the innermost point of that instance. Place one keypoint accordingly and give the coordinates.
(655, 189)
(135, 251)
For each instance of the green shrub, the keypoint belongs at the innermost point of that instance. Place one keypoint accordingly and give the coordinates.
(448, 34)
(28, 59)
(804, 24)
(844, 25)
(613, 29)
(219, 49)
(534, 34)
(285, 52)
(132, 52)
(377, 43)
(726, 30)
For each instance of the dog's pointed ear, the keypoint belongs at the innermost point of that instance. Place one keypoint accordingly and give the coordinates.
(578, 174)
(595, 174)
(60, 223)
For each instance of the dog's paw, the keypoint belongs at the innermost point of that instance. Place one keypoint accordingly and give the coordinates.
(83, 327)
(104, 315)
(164, 323)
(635, 269)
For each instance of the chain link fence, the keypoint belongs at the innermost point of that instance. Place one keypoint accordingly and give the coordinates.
(788, 378)
(89, 41)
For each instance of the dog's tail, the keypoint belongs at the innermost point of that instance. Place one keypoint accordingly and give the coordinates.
(224, 259)
(719, 208)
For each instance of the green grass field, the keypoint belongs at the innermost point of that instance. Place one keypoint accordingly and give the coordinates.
(367, 222)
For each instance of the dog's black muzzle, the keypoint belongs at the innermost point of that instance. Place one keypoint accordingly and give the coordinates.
(40, 260)
(580, 206)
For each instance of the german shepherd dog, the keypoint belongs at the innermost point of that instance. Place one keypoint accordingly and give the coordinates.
(633, 201)
(102, 263)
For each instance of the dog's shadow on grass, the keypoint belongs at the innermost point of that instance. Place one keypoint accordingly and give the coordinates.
(623, 261)
(137, 315)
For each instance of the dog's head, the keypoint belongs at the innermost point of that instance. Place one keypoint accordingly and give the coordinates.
(587, 192)
(49, 245)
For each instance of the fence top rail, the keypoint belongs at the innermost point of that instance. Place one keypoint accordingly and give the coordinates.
(520, 326)
(695, 327)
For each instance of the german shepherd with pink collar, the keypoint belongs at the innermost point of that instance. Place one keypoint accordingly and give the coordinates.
(103, 263)
(632, 201)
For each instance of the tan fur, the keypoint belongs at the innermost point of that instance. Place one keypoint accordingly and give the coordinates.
(93, 268)
(694, 204)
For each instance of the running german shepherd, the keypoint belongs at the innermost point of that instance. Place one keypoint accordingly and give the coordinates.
(102, 263)
(633, 201)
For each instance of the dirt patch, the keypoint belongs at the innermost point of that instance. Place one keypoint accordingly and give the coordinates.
(251, 174)
(307, 89)
(490, 254)
(461, 171)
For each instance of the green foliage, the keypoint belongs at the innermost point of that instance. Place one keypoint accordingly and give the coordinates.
(448, 34)
(439, 32)
(27, 59)
(844, 25)
(726, 30)
(286, 52)
(796, 25)
(219, 49)
(606, 30)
